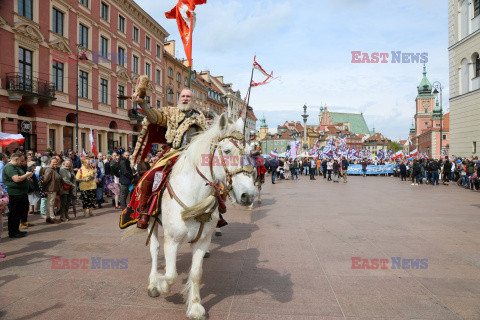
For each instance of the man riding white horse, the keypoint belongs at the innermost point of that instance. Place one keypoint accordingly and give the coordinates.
(173, 126)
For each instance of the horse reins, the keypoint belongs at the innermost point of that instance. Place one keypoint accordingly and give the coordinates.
(218, 187)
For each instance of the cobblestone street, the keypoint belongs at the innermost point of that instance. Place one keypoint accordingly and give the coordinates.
(289, 258)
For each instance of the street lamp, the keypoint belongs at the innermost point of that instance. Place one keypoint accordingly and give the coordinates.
(305, 116)
(438, 89)
(80, 56)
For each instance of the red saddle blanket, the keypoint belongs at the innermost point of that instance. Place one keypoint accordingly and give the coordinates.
(159, 176)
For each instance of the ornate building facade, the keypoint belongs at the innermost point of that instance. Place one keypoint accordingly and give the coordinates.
(116, 40)
(464, 62)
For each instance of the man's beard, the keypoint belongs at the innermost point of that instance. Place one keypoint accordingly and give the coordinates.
(185, 107)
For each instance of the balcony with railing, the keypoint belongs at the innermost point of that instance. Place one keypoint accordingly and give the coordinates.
(29, 89)
(135, 116)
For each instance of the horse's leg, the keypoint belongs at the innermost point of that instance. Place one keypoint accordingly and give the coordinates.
(192, 289)
(153, 278)
(260, 193)
(170, 247)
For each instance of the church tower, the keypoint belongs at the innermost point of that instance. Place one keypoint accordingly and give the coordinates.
(425, 103)
(263, 128)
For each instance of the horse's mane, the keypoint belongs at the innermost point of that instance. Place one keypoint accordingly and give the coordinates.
(200, 145)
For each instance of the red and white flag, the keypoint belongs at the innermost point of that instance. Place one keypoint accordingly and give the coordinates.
(84, 154)
(269, 76)
(398, 154)
(184, 13)
(414, 153)
(92, 143)
(7, 138)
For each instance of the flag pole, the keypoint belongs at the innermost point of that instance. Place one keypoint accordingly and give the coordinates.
(248, 101)
(189, 76)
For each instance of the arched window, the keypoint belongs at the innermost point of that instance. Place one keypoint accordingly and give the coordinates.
(476, 64)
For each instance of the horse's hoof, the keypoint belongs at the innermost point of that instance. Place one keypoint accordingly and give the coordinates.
(196, 312)
(250, 208)
(153, 292)
(259, 201)
(218, 233)
(207, 255)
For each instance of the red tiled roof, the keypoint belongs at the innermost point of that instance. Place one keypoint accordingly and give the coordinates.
(251, 115)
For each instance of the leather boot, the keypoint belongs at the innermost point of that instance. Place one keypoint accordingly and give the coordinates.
(142, 223)
(221, 222)
(145, 193)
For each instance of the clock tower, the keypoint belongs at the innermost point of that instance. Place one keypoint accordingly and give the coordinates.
(425, 103)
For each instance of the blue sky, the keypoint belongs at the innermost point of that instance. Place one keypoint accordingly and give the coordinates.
(308, 45)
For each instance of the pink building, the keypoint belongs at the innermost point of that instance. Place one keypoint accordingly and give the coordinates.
(429, 124)
(38, 71)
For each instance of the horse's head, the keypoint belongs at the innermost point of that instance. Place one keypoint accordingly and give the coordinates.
(231, 163)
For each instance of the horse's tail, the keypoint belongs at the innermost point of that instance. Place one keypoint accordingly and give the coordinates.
(132, 230)
(198, 208)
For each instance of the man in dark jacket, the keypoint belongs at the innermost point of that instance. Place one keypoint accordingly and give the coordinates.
(447, 171)
(470, 168)
(324, 168)
(344, 169)
(433, 168)
(403, 171)
(273, 168)
(126, 176)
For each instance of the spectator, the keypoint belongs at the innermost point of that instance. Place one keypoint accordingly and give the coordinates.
(3, 162)
(403, 171)
(15, 179)
(273, 168)
(99, 178)
(336, 170)
(52, 186)
(3, 206)
(329, 169)
(313, 168)
(344, 169)
(126, 178)
(324, 168)
(114, 186)
(319, 167)
(86, 179)
(447, 171)
(76, 162)
(68, 184)
(364, 167)
(33, 190)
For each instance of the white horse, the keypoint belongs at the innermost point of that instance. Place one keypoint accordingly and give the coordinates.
(223, 138)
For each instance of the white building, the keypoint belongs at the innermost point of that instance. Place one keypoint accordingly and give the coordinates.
(464, 48)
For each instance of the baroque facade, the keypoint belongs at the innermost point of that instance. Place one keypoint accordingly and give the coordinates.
(105, 45)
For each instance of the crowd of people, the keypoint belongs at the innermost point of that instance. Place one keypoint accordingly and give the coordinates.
(464, 172)
(287, 168)
(51, 185)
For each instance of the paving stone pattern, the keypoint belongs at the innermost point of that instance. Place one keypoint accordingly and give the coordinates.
(291, 258)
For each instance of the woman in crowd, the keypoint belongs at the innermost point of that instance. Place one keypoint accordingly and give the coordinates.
(329, 169)
(86, 179)
(3, 206)
(33, 189)
(294, 169)
(68, 185)
(336, 170)
(286, 167)
(99, 180)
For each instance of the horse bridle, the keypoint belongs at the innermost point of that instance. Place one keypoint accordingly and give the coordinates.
(238, 140)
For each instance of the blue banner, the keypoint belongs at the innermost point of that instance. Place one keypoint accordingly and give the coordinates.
(380, 169)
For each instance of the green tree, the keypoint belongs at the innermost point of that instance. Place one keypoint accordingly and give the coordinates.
(395, 146)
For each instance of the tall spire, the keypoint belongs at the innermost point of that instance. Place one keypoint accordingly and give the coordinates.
(424, 69)
(425, 87)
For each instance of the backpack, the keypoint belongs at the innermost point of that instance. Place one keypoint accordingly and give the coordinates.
(115, 167)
